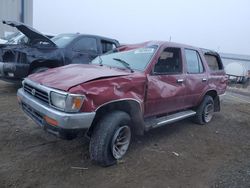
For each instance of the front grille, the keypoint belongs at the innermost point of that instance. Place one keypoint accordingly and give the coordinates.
(9, 56)
(36, 116)
(13, 56)
(37, 93)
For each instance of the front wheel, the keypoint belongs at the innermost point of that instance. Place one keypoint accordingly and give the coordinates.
(110, 138)
(205, 111)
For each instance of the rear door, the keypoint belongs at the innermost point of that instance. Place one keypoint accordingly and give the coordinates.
(166, 88)
(84, 50)
(217, 76)
(196, 77)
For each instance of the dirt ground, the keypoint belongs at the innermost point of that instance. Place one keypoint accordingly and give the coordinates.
(183, 154)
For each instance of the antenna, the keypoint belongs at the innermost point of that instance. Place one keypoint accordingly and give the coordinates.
(170, 38)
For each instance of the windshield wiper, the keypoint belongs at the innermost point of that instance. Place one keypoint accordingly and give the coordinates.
(127, 65)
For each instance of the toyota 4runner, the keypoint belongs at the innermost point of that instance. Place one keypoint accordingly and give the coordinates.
(138, 88)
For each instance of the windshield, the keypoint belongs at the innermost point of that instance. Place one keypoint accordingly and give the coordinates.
(63, 40)
(136, 59)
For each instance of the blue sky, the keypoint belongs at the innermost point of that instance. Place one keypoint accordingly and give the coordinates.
(222, 25)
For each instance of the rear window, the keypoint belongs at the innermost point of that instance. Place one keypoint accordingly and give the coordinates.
(107, 46)
(213, 62)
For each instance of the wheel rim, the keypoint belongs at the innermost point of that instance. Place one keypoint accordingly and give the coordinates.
(121, 141)
(208, 112)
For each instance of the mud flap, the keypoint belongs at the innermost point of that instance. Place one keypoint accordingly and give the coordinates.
(217, 104)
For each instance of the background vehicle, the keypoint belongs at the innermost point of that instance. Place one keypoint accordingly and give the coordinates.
(237, 72)
(20, 38)
(139, 88)
(41, 53)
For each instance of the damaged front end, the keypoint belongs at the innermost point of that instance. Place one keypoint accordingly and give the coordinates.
(13, 65)
(16, 59)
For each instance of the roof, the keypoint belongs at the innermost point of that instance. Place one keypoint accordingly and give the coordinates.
(90, 35)
(158, 43)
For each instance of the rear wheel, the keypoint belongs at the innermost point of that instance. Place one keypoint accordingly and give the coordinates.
(205, 111)
(110, 138)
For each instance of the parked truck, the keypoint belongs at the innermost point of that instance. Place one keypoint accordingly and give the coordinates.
(138, 88)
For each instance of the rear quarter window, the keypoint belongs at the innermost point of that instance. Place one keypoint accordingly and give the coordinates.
(213, 63)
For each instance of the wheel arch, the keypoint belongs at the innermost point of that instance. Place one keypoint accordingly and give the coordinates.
(214, 94)
(131, 106)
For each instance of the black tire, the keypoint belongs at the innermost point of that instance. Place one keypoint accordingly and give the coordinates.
(102, 138)
(201, 116)
(39, 69)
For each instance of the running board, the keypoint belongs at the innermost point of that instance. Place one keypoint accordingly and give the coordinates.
(158, 122)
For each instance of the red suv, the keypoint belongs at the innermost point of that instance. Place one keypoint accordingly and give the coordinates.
(135, 89)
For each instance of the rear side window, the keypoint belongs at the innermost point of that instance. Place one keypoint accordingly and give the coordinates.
(213, 63)
(194, 64)
(107, 46)
(86, 44)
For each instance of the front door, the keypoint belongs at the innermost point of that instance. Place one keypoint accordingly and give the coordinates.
(166, 85)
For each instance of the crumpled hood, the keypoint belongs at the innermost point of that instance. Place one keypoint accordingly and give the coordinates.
(63, 78)
(30, 32)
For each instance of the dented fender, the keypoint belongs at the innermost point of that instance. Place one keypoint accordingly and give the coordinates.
(103, 91)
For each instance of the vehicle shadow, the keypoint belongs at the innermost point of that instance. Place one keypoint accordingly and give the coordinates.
(155, 135)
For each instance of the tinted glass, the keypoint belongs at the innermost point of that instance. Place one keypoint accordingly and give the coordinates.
(169, 61)
(86, 44)
(212, 62)
(194, 64)
(107, 46)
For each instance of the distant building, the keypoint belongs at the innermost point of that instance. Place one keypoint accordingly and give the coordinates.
(229, 58)
(15, 10)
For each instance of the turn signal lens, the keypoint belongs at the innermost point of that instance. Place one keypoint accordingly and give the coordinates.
(77, 103)
(74, 102)
(50, 121)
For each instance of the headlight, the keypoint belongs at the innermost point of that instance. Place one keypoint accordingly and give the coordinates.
(58, 100)
(67, 102)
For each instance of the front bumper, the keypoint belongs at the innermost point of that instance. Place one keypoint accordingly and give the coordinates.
(11, 71)
(37, 111)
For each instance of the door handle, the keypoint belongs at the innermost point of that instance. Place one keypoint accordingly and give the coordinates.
(180, 80)
(204, 79)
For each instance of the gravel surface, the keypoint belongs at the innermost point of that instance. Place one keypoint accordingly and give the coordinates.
(182, 154)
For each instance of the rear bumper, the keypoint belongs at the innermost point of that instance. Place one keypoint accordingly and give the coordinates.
(37, 111)
(11, 71)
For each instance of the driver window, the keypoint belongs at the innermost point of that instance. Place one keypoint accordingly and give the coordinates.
(169, 62)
